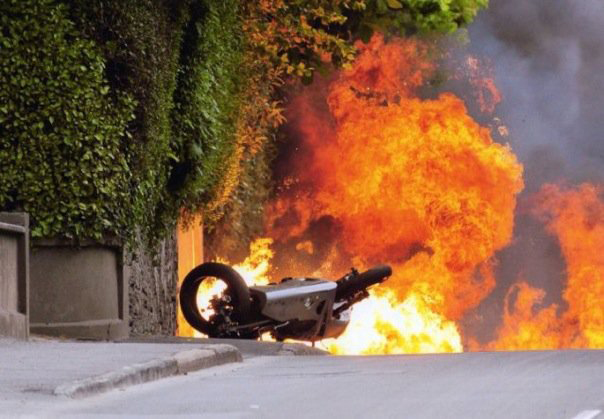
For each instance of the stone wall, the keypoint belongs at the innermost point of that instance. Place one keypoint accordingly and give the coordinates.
(153, 283)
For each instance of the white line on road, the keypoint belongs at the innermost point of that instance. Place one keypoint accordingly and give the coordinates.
(588, 414)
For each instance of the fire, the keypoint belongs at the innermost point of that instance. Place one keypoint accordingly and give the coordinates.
(525, 327)
(383, 325)
(576, 217)
(255, 268)
(480, 77)
(381, 175)
(417, 183)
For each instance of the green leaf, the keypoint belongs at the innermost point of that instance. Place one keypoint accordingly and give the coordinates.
(394, 4)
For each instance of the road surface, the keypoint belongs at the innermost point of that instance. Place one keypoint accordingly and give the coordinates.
(548, 384)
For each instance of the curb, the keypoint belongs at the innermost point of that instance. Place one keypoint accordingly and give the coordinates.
(179, 363)
(300, 349)
(247, 347)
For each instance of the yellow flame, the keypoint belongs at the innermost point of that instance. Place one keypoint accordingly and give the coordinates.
(381, 324)
(254, 270)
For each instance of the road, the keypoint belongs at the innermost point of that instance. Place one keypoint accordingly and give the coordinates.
(548, 384)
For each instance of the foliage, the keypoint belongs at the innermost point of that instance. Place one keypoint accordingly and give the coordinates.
(61, 129)
(142, 108)
(300, 36)
(141, 42)
(402, 17)
(244, 212)
(207, 101)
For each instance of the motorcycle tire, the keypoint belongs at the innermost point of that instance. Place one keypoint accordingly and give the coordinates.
(236, 287)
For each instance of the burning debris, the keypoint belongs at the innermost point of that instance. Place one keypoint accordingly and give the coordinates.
(418, 183)
(307, 309)
(382, 174)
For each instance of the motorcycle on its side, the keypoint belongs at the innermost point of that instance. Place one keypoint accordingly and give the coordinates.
(308, 309)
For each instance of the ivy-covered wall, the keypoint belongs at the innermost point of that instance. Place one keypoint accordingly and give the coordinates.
(115, 115)
(62, 129)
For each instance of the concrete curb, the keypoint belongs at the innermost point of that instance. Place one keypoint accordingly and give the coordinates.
(179, 363)
(247, 347)
(300, 349)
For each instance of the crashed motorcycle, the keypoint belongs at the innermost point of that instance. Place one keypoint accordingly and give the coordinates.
(308, 309)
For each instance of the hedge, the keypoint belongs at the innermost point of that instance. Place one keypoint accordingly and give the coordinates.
(141, 43)
(117, 115)
(61, 128)
(207, 101)
(125, 115)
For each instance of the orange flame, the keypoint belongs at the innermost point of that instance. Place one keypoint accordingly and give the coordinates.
(382, 324)
(523, 328)
(420, 185)
(576, 218)
(416, 183)
(480, 77)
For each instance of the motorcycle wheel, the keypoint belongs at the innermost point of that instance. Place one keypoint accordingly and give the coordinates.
(236, 288)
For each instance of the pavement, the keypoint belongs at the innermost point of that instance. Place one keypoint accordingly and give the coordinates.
(215, 378)
(519, 385)
(45, 368)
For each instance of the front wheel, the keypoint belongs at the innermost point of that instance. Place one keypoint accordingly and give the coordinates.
(236, 289)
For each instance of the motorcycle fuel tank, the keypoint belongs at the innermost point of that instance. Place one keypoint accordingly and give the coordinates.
(296, 298)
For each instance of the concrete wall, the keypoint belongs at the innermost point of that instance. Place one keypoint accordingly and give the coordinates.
(98, 292)
(14, 275)
(78, 292)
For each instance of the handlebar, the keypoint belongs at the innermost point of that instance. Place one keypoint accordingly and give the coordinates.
(355, 282)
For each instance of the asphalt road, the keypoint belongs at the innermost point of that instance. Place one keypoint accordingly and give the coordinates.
(551, 384)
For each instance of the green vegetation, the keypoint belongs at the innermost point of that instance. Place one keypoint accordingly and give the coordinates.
(61, 128)
(207, 103)
(141, 42)
(121, 115)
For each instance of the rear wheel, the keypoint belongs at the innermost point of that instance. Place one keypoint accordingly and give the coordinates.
(237, 302)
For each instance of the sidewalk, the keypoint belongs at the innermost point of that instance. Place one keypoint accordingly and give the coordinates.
(49, 369)
(53, 368)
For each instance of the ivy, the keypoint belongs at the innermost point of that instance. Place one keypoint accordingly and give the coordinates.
(117, 115)
(61, 129)
(207, 101)
(141, 43)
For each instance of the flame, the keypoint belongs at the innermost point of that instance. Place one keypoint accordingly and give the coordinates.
(480, 76)
(255, 268)
(381, 175)
(524, 325)
(383, 325)
(416, 183)
(576, 217)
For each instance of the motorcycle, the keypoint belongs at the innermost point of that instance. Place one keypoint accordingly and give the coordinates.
(308, 309)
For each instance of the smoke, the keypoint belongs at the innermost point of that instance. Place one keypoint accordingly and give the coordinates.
(548, 57)
(548, 61)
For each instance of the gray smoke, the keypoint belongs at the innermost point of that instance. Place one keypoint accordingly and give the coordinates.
(548, 59)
